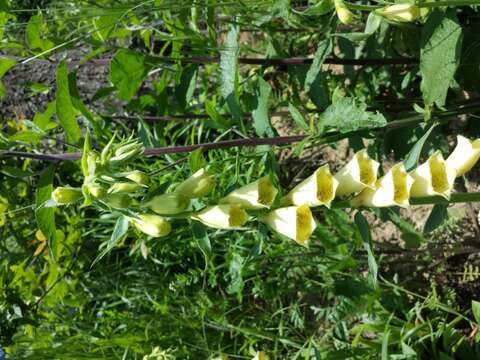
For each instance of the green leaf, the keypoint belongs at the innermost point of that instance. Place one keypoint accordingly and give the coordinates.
(346, 116)
(87, 147)
(373, 23)
(5, 17)
(229, 71)
(441, 46)
(128, 69)
(36, 34)
(42, 120)
(235, 268)
(15, 172)
(261, 122)
(413, 156)
(412, 237)
(386, 336)
(476, 311)
(184, 90)
(436, 218)
(77, 102)
(121, 228)
(45, 216)
(203, 241)
(298, 117)
(65, 110)
(364, 229)
(5, 65)
(320, 8)
(315, 85)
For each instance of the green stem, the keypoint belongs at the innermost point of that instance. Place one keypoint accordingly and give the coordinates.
(448, 3)
(422, 5)
(426, 200)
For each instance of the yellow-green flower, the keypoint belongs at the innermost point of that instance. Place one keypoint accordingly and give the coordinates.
(197, 185)
(393, 189)
(223, 216)
(295, 222)
(433, 177)
(168, 204)
(400, 12)
(256, 195)
(465, 155)
(153, 225)
(318, 189)
(358, 174)
(66, 195)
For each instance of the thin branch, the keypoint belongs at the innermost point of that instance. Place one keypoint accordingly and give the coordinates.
(202, 60)
(170, 149)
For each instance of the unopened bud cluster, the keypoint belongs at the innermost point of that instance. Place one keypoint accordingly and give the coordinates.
(114, 188)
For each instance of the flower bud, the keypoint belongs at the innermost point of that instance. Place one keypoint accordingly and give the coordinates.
(433, 177)
(222, 216)
(359, 173)
(66, 195)
(197, 185)
(96, 190)
(118, 201)
(138, 176)
(127, 153)
(295, 222)
(318, 189)
(256, 195)
(465, 155)
(168, 204)
(393, 189)
(400, 12)
(344, 15)
(152, 225)
(124, 187)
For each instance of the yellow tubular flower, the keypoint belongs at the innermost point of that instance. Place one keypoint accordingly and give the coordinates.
(344, 15)
(465, 155)
(168, 204)
(260, 355)
(318, 189)
(197, 185)
(393, 189)
(152, 225)
(256, 195)
(359, 173)
(295, 222)
(224, 216)
(433, 177)
(66, 195)
(400, 12)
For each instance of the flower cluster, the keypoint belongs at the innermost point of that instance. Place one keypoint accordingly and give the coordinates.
(292, 217)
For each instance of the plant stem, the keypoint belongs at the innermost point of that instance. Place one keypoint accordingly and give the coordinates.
(426, 200)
